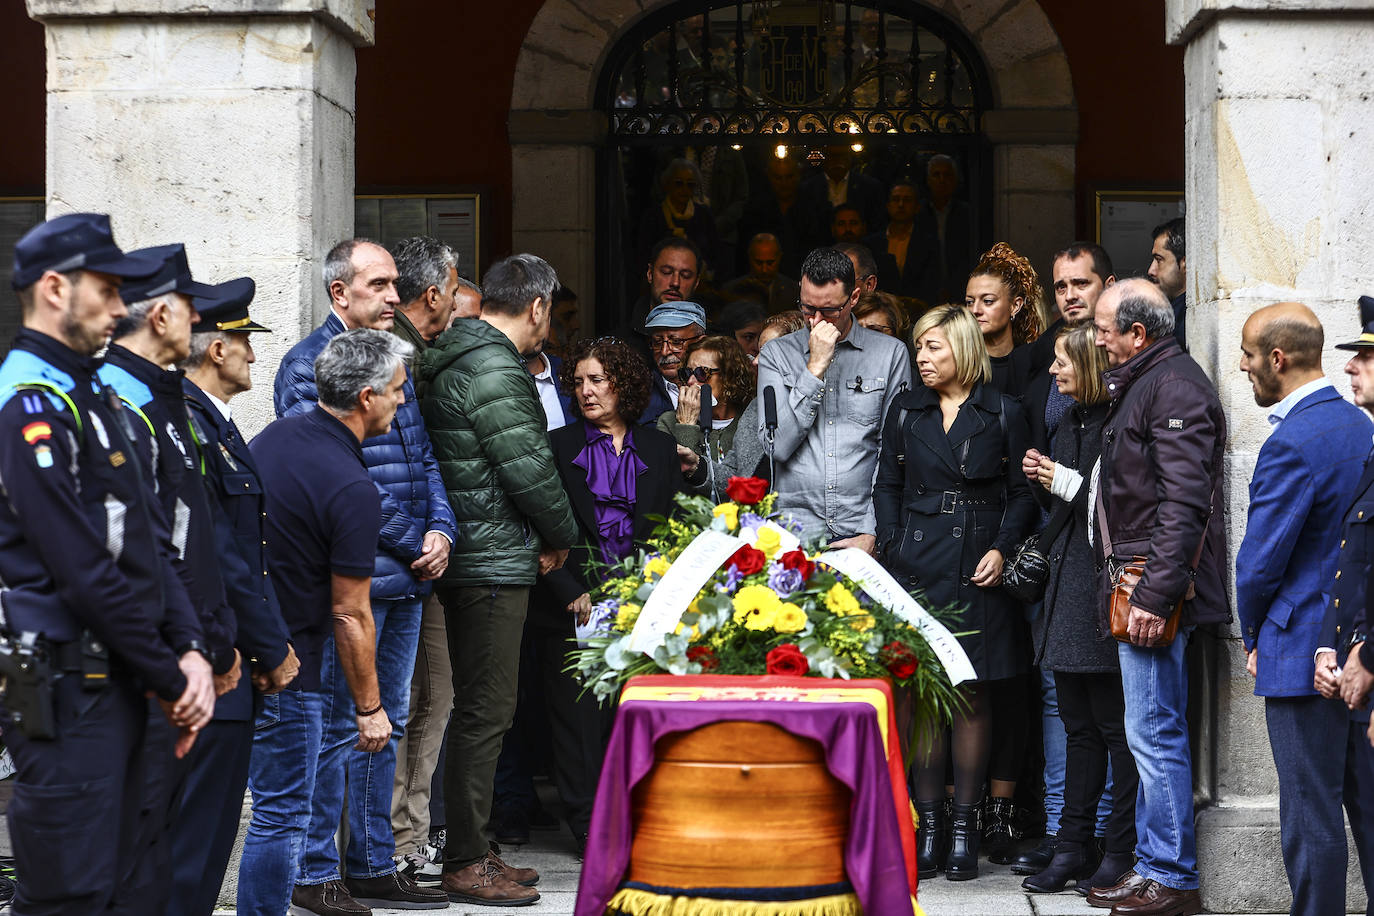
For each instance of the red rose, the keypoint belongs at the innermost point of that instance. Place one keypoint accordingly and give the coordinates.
(796, 559)
(748, 559)
(901, 662)
(746, 490)
(787, 659)
(704, 656)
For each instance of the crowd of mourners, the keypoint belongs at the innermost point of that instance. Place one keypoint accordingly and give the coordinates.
(362, 614)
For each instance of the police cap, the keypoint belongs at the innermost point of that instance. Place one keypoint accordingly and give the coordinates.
(75, 241)
(173, 276)
(1366, 339)
(229, 310)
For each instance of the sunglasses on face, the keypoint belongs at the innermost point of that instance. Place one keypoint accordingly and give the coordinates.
(701, 373)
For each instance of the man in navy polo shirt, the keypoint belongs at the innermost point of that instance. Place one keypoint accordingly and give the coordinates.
(323, 518)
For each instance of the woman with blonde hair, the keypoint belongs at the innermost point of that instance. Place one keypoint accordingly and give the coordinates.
(1004, 293)
(951, 504)
(1069, 637)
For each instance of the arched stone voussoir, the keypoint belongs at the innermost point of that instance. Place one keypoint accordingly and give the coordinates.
(563, 51)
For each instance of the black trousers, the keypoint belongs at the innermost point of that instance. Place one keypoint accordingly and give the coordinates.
(1093, 708)
(81, 822)
(207, 820)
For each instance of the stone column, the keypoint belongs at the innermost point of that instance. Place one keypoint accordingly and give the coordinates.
(223, 124)
(1278, 130)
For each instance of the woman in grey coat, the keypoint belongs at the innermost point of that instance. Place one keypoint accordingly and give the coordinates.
(1071, 636)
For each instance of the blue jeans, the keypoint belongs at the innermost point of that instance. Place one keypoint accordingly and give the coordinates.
(368, 779)
(1155, 684)
(1056, 753)
(281, 776)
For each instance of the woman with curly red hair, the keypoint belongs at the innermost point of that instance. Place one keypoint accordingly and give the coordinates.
(1005, 295)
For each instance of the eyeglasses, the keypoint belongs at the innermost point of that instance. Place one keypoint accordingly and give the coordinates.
(667, 342)
(700, 373)
(828, 312)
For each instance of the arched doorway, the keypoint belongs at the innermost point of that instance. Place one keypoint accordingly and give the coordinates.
(872, 88)
(559, 127)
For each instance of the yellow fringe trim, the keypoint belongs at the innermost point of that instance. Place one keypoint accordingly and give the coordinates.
(631, 902)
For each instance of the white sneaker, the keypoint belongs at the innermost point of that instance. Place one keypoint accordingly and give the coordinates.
(423, 867)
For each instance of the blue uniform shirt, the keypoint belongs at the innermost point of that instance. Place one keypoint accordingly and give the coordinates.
(323, 515)
(82, 545)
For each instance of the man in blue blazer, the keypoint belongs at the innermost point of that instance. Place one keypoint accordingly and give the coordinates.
(1285, 567)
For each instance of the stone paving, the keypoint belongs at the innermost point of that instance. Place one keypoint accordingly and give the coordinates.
(996, 893)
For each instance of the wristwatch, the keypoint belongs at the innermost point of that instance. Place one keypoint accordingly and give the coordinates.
(195, 645)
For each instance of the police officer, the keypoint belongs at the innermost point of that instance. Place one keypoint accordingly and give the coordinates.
(91, 605)
(1346, 659)
(154, 334)
(217, 369)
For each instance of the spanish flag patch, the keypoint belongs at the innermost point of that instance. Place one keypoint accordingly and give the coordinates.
(37, 432)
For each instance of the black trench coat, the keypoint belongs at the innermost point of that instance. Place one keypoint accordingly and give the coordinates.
(943, 500)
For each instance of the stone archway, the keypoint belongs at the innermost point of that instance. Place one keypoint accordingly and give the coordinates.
(555, 129)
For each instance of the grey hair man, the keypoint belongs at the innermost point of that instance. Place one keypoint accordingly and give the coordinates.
(427, 285)
(413, 547)
(324, 514)
(1158, 496)
(489, 433)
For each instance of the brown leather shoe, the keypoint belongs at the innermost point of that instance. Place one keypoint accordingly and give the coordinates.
(1155, 899)
(1108, 897)
(483, 884)
(527, 877)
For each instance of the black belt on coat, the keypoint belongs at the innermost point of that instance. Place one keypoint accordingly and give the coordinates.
(947, 502)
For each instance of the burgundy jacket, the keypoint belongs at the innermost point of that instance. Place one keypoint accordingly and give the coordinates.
(1161, 479)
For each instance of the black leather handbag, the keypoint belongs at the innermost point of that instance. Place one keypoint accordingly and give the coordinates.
(1027, 571)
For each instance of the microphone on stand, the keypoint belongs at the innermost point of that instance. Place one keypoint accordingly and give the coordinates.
(704, 419)
(770, 422)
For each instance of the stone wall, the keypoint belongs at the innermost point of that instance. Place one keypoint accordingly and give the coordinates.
(1278, 130)
(227, 126)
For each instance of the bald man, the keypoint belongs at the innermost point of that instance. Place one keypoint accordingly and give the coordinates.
(1303, 480)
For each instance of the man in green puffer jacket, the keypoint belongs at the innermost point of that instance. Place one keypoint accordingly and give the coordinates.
(514, 522)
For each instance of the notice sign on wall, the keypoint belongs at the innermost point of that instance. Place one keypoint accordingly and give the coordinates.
(455, 219)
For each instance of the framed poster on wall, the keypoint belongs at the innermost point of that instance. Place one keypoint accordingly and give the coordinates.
(1123, 221)
(455, 219)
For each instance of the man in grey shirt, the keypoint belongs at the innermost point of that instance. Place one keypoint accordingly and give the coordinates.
(834, 384)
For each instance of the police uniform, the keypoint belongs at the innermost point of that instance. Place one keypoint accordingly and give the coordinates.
(1347, 624)
(207, 820)
(88, 582)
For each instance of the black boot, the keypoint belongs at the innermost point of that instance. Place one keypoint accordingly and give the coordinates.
(1071, 862)
(1034, 861)
(931, 844)
(962, 862)
(1000, 830)
(1114, 867)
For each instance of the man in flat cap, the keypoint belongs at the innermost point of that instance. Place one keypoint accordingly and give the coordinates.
(92, 604)
(1345, 657)
(672, 326)
(218, 367)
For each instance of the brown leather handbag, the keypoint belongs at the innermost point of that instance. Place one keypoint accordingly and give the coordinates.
(1126, 576)
(1119, 607)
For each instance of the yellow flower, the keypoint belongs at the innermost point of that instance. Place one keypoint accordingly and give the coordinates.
(756, 606)
(693, 634)
(841, 601)
(789, 619)
(768, 541)
(625, 617)
(729, 512)
(657, 566)
(862, 622)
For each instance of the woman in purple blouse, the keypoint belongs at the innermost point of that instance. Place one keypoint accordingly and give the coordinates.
(619, 476)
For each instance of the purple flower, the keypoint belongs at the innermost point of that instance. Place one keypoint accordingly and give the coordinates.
(750, 520)
(784, 581)
(732, 579)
